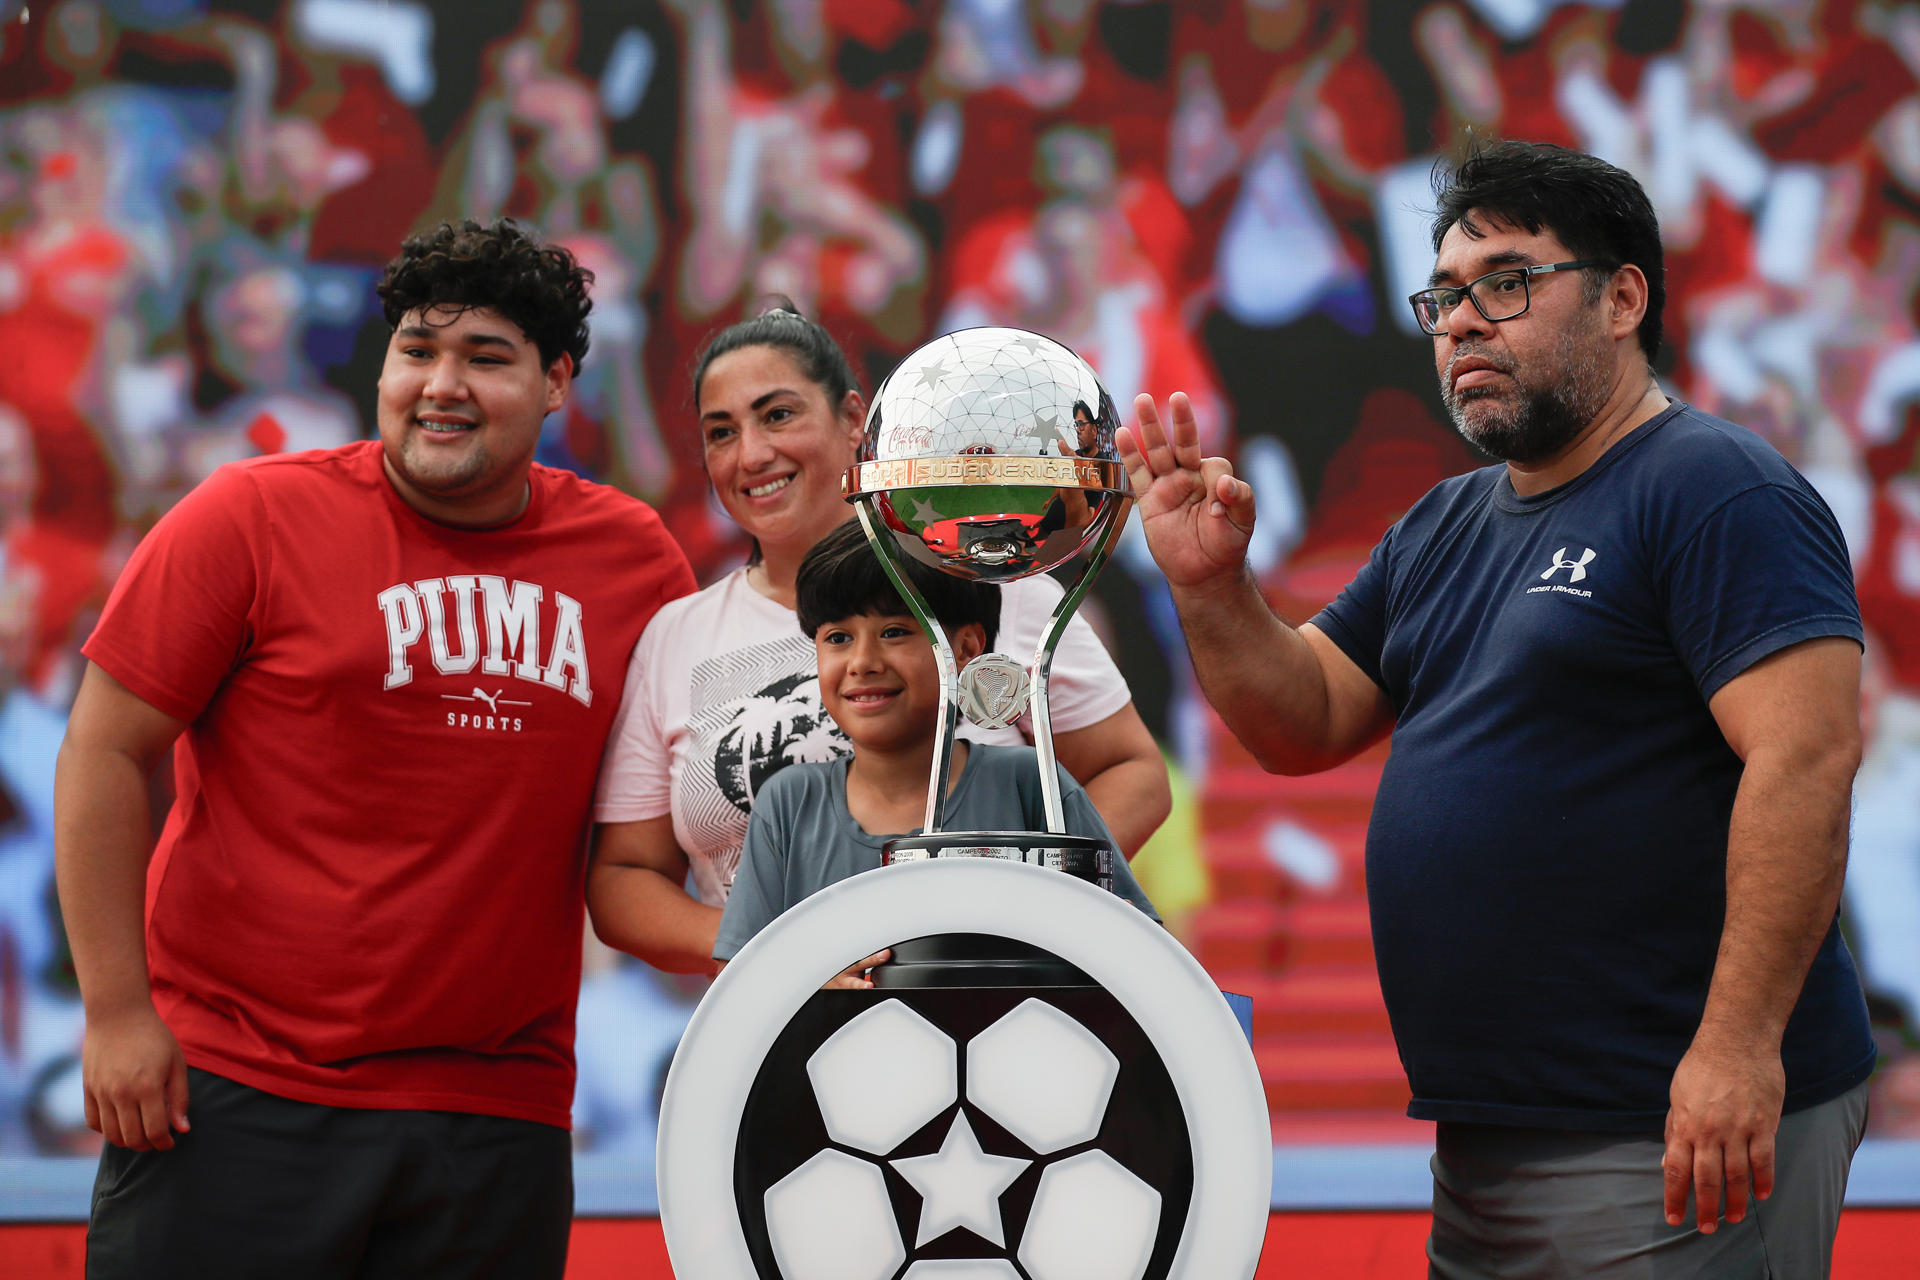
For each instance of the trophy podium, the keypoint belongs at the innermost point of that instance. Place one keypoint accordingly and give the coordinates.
(989, 454)
(1114, 1131)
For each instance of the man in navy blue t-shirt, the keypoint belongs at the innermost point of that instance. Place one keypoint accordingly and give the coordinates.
(1621, 674)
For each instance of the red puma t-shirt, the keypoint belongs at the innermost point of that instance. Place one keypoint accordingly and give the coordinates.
(370, 890)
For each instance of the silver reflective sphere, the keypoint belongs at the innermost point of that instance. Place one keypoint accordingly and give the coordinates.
(989, 453)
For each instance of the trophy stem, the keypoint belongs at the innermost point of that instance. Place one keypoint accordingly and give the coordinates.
(883, 546)
(1043, 669)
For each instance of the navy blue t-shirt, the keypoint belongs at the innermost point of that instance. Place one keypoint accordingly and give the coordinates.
(1546, 864)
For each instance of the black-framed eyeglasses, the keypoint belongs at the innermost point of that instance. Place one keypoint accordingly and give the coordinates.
(1497, 295)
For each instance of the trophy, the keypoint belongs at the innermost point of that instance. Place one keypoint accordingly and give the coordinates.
(989, 454)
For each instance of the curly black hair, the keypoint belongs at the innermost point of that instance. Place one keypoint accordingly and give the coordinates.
(505, 268)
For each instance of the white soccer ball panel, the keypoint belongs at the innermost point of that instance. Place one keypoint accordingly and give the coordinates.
(1045, 1078)
(882, 1076)
(830, 1219)
(1091, 1217)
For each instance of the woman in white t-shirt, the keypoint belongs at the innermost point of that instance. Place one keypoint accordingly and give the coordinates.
(722, 690)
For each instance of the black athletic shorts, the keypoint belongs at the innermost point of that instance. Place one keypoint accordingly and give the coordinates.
(263, 1186)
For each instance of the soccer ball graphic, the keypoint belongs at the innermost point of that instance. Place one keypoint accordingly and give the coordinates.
(1037, 1082)
(748, 1094)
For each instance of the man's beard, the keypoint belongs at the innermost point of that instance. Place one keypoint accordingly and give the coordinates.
(1529, 423)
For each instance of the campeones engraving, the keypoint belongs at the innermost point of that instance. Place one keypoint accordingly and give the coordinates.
(898, 473)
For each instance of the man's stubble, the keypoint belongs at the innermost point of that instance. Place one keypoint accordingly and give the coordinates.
(1536, 414)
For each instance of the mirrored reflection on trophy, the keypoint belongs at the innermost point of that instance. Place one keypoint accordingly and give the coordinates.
(989, 454)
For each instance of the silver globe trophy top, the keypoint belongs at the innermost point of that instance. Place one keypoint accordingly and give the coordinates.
(989, 454)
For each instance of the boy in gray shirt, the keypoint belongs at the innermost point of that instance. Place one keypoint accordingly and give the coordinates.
(815, 824)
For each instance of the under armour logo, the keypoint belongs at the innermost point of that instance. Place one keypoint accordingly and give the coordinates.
(1579, 566)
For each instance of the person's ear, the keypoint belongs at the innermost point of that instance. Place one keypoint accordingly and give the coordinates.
(853, 417)
(969, 642)
(559, 380)
(1627, 298)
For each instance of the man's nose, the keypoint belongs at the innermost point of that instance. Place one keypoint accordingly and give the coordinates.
(1465, 321)
(445, 380)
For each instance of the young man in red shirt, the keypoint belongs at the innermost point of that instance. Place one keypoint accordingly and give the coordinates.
(330, 1025)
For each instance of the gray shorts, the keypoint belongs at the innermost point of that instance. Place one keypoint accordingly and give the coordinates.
(1549, 1204)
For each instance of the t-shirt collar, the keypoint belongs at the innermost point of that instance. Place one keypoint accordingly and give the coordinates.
(1507, 500)
(529, 516)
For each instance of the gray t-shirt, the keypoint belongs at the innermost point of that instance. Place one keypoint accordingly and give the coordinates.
(801, 837)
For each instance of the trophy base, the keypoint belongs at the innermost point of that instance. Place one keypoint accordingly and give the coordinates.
(974, 960)
(983, 960)
(1082, 857)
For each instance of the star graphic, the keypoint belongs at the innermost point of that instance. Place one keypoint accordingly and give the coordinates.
(961, 1186)
(1048, 425)
(931, 373)
(923, 512)
(1027, 340)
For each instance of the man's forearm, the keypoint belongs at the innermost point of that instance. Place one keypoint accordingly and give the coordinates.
(102, 842)
(1786, 859)
(1260, 675)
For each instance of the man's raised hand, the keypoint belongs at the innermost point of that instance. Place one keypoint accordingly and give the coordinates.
(1197, 517)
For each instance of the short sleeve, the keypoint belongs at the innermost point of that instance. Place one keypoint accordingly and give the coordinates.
(1084, 685)
(1356, 620)
(1766, 569)
(636, 773)
(759, 884)
(191, 600)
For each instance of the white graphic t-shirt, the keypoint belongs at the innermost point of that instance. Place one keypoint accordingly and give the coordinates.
(723, 693)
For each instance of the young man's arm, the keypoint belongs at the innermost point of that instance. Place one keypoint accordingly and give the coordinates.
(1292, 697)
(1793, 719)
(132, 1070)
(1119, 764)
(637, 898)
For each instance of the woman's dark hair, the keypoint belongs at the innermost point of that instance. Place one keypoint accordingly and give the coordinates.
(1596, 210)
(506, 268)
(841, 577)
(811, 346)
